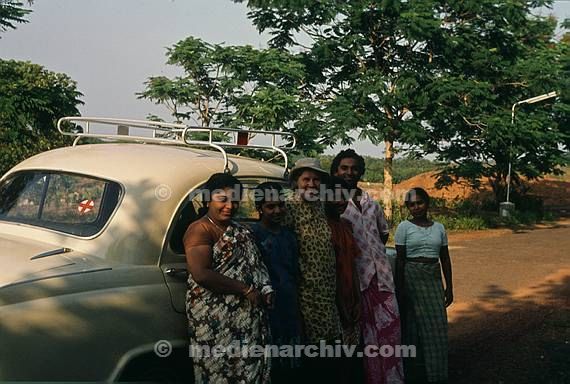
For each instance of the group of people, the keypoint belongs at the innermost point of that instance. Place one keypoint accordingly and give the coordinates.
(312, 271)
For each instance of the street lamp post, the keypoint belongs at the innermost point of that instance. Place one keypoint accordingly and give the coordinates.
(507, 206)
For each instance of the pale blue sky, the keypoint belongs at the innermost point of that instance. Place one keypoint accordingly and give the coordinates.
(110, 47)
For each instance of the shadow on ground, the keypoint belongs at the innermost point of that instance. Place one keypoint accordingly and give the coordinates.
(507, 338)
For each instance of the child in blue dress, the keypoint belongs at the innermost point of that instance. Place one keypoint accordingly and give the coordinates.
(278, 246)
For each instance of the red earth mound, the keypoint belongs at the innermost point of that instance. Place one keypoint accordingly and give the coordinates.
(554, 192)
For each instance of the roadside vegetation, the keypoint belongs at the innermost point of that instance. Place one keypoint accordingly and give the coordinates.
(467, 215)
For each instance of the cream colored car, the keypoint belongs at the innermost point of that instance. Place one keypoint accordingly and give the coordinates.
(92, 278)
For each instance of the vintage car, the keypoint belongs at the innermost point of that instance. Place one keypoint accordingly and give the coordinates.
(93, 277)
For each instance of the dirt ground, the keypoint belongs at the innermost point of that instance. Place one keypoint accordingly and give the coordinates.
(510, 322)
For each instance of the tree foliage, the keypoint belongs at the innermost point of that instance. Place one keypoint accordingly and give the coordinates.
(438, 76)
(32, 101)
(12, 13)
(404, 167)
(233, 86)
(470, 127)
(368, 60)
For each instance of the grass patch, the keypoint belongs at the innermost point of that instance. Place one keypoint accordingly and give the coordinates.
(462, 223)
(467, 215)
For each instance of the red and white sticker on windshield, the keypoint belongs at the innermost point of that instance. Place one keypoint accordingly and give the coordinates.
(86, 206)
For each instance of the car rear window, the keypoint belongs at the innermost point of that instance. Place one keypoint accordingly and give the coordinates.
(76, 204)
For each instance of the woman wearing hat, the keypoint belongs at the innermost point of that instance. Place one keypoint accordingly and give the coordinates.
(317, 285)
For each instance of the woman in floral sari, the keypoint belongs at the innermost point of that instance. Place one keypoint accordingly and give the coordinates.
(228, 287)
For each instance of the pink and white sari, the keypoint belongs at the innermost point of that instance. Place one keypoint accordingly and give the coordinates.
(380, 323)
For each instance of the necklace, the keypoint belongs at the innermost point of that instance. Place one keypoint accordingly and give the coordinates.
(217, 225)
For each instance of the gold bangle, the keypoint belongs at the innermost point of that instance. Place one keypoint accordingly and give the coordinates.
(249, 290)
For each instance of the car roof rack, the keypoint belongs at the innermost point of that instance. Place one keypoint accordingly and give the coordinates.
(179, 134)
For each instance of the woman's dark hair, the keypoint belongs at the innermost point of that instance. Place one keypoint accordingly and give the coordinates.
(417, 191)
(267, 189)
(216, 182)
(348, 154)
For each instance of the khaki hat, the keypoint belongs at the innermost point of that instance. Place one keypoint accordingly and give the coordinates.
(307, 163)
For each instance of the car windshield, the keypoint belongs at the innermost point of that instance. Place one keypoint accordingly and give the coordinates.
(75, 204)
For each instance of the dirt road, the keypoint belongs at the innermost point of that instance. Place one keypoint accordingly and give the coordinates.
(510, 322)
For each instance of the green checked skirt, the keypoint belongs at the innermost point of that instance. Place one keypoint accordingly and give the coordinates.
(425, 322)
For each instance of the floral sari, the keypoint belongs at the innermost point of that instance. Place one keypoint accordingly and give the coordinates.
(226, 320)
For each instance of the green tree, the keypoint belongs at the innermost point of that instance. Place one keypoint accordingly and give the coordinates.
(389, 69)
(12, 13)
(234, 86)
(32, 101)
(404, 167)
(368, 61)
(510, 56)
(199, 94)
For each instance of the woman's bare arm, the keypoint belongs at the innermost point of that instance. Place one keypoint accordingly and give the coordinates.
(199, 260)
(447, 274)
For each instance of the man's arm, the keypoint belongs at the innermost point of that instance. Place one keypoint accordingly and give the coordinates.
(382, 224)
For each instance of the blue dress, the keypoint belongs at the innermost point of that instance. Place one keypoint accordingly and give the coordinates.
(280, 254)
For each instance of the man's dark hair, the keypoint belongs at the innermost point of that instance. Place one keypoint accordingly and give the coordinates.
(348, 154)
(417, 191)
(269, 188)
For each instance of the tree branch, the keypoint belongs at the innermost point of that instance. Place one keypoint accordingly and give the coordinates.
(478, 125)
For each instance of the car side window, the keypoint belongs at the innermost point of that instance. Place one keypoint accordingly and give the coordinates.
(246, 211)
(186, 215)
(70, 203)
(188, 212)
(21, 197)
(73, 199)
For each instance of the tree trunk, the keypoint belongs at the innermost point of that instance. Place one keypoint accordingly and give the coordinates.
(499, 185)
(388, 187)
(499, 188)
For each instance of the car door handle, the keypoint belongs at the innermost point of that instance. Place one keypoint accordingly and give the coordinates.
(175, 272)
